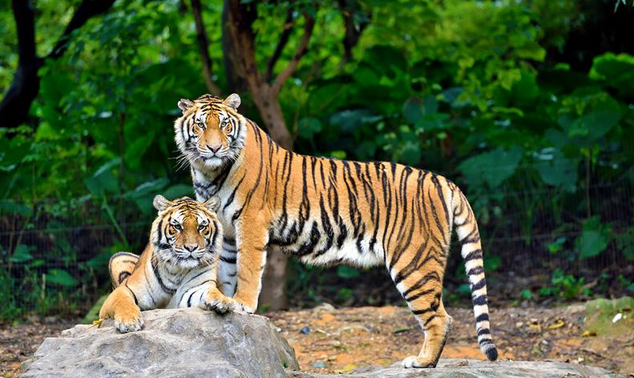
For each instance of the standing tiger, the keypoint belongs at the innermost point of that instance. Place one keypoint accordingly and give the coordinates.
(327, 211)
(177, 269)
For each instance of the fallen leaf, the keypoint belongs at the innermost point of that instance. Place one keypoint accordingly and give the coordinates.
(588, 333)
(349, 367)
(535, 326)
(558, 324)
(402, 329)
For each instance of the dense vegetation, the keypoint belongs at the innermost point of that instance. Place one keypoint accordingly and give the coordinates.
(528, 105)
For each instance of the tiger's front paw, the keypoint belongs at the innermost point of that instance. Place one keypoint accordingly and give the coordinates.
(241, 307)
(216, 301)
(245, 305)
(128, 321)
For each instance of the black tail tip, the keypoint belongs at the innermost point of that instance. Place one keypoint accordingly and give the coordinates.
(492, 354)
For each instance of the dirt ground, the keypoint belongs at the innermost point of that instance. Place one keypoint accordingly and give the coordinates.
(344, 339)
(338, 340)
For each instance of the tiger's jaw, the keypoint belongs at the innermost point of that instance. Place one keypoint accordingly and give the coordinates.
(185, 260)
(214, 162)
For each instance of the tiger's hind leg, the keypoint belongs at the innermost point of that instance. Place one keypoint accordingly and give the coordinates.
(436, 325)
(121, 266)
(420, 282)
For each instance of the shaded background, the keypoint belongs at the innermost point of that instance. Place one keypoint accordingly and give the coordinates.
(527, 105)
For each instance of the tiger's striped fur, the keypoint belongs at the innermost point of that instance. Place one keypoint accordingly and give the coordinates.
(177, 269)
(327, 211)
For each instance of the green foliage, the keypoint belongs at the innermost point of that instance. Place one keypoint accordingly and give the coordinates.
(594, 238)
(566, 286)
(470, 89)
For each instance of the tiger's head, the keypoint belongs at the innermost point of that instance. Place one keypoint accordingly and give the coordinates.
(186, 234)
(210, 133)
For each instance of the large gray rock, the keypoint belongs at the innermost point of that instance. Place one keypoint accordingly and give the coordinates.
(174, 343)
(197, 343)
(456, 368)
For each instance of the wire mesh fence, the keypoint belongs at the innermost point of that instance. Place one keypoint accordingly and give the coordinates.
(53, 256)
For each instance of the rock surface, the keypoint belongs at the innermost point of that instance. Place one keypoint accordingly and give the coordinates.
(458, 368)
(197, 343)
(174, 343)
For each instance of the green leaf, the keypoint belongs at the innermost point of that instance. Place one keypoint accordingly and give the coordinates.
(147, 189)
(434, 121)
(136, 149)
(309, 126)
(526, 294)
(556, 170)
(594, 238)
(350, 120)
(413, 110)
(22, 254)
(60, 277)
(12, 207)
(616, 70)
(531, 50)
(557, 245)
(625, 243)
(100, 262)
(492, 168)
(594, 125)
(430, 105)
(178, 191)
(103, 180)
(524, 91)
(508, 78)
(338, 154)
(344, 271)
(492, 262)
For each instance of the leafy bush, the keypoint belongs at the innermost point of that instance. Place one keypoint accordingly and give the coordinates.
(470, 89)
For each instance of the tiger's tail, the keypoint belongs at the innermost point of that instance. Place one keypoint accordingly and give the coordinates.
(469, 236)
(121, 266)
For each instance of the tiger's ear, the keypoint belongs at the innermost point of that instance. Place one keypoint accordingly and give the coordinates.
(160, 203)
(233, 101)
(185, 104)
(213, 204)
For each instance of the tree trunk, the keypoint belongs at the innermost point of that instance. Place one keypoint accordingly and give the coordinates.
(15, 105)
(242, 73)
(203, 45)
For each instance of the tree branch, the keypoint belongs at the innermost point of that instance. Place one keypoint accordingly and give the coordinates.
(25, 23)
(353, 32)
(288, 28)
(15, 105)
(301, 50)
(203, 45)
(25, 83)
(85, 11)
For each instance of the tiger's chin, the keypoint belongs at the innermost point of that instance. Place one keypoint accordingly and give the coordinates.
(214, 162)
(189, 263)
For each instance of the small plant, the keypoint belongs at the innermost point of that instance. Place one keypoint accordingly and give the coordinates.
(565, 286)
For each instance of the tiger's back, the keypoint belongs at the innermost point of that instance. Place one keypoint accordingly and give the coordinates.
(327, 211)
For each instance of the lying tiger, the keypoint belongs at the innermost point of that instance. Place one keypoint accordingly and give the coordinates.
(177, 269)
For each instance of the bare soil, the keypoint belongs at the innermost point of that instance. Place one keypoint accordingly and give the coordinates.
(338, 340)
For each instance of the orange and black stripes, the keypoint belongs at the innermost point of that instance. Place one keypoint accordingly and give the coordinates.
(328, 211)
(177, 269)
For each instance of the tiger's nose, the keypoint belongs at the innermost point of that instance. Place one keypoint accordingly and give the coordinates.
(214, 148)
(191, 247)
